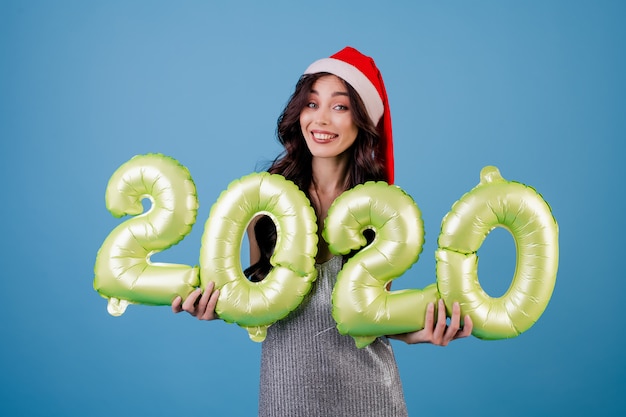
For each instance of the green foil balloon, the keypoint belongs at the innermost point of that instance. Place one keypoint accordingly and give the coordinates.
(495, 202)
(256, 305)
(362, 306)
(124, 273)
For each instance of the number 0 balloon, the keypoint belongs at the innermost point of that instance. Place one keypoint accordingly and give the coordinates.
(495, 202)
(256, 305)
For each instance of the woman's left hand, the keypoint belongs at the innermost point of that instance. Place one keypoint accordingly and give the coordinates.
(440, 333)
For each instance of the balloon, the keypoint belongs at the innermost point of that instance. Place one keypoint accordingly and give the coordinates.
(256, 305)
(123, 271)
(495, 202)
(362, 306)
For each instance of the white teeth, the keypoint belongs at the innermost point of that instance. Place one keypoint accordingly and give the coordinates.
(323, 136)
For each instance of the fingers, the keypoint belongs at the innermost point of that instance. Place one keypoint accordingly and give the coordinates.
(199, 304)
(454, 326)
(208, 302)
(429, 321)
(426, 334)
(444, 331)
(468, 325)
(440, 327)
(189, 305)
(176, 305)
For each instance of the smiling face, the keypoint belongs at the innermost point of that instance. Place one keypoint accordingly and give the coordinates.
(326, 121)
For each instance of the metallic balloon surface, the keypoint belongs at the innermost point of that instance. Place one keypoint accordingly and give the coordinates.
(123, 271)
(495, 202)
(362, 306)
(256, 305)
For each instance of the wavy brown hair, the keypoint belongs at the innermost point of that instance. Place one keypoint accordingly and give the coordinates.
(366, 161)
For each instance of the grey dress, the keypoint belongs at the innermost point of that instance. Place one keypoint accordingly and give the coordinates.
(309, 369)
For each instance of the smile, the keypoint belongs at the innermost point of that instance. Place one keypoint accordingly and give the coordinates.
(323, 136)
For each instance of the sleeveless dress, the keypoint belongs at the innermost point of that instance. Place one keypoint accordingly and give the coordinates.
(309, 369)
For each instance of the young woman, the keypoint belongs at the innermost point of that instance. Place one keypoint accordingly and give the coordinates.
(336, 131)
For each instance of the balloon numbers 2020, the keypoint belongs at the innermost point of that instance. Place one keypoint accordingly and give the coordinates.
(363, 306)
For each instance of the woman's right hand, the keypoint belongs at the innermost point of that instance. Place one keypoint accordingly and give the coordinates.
(198, 304)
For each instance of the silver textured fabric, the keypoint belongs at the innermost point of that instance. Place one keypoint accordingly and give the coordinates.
(309, 369)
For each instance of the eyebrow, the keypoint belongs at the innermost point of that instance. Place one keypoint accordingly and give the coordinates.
(335, 94)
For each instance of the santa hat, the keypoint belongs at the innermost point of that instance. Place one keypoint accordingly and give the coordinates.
(361, 73)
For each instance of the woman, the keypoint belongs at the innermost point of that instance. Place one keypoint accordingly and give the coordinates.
(336, 131)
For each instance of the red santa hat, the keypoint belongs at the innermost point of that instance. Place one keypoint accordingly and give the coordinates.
(361, 73)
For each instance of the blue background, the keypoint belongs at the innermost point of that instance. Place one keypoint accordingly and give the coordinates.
(535, 88)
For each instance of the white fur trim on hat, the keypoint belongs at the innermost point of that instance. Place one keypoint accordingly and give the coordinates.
(358, 81)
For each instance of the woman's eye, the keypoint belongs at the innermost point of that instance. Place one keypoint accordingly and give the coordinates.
(311, 105)
(341, 107)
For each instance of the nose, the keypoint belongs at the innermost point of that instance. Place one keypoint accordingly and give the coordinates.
(322, 116)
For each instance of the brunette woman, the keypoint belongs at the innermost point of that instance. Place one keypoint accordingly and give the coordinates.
(336, 131)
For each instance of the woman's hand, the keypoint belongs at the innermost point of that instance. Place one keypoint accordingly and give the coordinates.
(440, 333)
(199, 304)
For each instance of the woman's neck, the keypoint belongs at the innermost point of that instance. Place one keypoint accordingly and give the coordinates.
(329, 175)
(328, 182)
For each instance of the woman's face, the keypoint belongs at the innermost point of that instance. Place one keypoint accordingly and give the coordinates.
(326, 121)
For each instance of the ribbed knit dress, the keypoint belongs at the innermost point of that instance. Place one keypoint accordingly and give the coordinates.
(309, 369)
